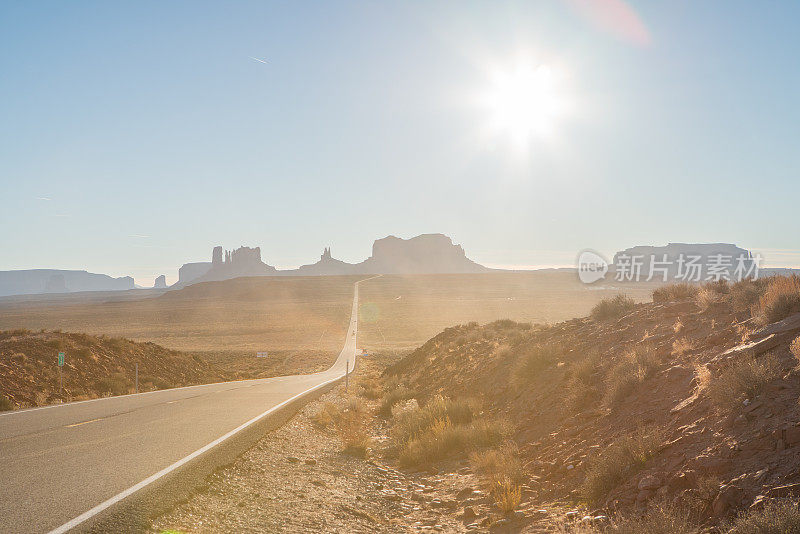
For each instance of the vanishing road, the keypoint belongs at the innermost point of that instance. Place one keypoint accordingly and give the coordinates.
(61, 465)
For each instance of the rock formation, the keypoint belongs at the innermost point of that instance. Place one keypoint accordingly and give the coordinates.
(160, 283)
(426, 253)
(34, 281)
(673, 259)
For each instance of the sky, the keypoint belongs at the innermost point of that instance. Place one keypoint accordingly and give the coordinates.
(136, 136)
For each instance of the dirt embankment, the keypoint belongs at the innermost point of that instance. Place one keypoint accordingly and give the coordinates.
(683, 403)
(94, 366)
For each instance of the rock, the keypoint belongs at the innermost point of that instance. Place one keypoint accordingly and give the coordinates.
(468, 514)
(644, 495)
(464, 493)
(292, 460)
(572, 515)
(759, 502)
(790, 324)
(649, 482)
(712, 465)
(729, 497)
(784, 491)
(310, 461)
(160, 283)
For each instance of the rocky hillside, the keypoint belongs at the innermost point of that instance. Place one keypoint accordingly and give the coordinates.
(94, 366)
(689, 401)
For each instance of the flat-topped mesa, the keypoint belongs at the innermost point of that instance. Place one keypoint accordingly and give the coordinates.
(426, 253)
(727, 259)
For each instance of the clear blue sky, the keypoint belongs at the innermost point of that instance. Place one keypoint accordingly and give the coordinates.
(135, 136)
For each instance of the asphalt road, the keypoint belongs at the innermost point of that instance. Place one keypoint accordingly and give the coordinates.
(59, 462)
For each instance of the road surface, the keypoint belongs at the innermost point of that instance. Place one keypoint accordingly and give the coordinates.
(61, 465)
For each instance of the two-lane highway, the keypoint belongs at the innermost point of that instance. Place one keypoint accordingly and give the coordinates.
(61, 465)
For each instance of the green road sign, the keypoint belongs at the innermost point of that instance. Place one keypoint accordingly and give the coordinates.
(61, 359)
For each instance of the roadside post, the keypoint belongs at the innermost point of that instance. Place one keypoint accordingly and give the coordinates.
(346, 375)
(137, 377)
(60, 372)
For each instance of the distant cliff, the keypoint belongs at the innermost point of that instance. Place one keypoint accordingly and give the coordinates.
(685, 261)
(34, 281)
(244, 261)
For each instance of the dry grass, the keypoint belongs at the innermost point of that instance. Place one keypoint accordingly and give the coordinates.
(352, 425)
(370, 388)
(681, 346)
(636, 366)
(623, 458)
(5, 403)
(507, 495)
(742, 380)
(794, 347)
(777, 517)
(781, 298)
(326, 415)
(582, 388)
(535, 359)
(414, 422)
(673, 292)
(746, 293)
(445, 439)
(612, 308)
(398, 394)
(678, 326)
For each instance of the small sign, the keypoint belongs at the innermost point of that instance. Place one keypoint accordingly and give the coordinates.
(262, 354)
(364, 352)
(61, 359)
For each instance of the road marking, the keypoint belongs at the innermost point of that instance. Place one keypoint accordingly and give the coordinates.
(83, 422)
(69, 525)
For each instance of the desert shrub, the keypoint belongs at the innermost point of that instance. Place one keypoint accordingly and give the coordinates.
(445, 439)
(325, 416)
(746, 293)
(498, 464)
(352, 427)
(371, 388)
(659, 518)
(612, 308)
(414, 422)
(5, 403)
(794, 346)
(681, 346)
(398, 394)
(741, 380)
(626, 456)
(781, 298)
(582, 386)
(507, 495)
(116, 384)
(777, 517)
(636, 366)
(534, 359)
(707, 297)
(155, 382)
(672, 292)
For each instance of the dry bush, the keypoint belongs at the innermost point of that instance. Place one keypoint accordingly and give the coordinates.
(707, 297)
(634, 367)
(371, 388)
(626, 456)
(507, 495)
(116, 384)
(678, 326)
(673, 292)
(326, 415)
(444, 439)
(352, 425)
(742, 380)
(781, 298)
(660, 518)
(746, 293)
(5, 403)
(414, 422)
(681, 346)
(777, 517)
(795, 348)
(583, 385)
(534, 360)
(495, 465)
(398, 394)
(612, 308)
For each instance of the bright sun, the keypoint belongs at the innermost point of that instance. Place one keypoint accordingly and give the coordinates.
(525, 103)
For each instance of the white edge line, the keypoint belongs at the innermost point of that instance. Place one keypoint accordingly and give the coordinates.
(69, 525)
(149, 480)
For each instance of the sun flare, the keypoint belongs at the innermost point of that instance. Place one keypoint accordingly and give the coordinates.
(525, 103)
